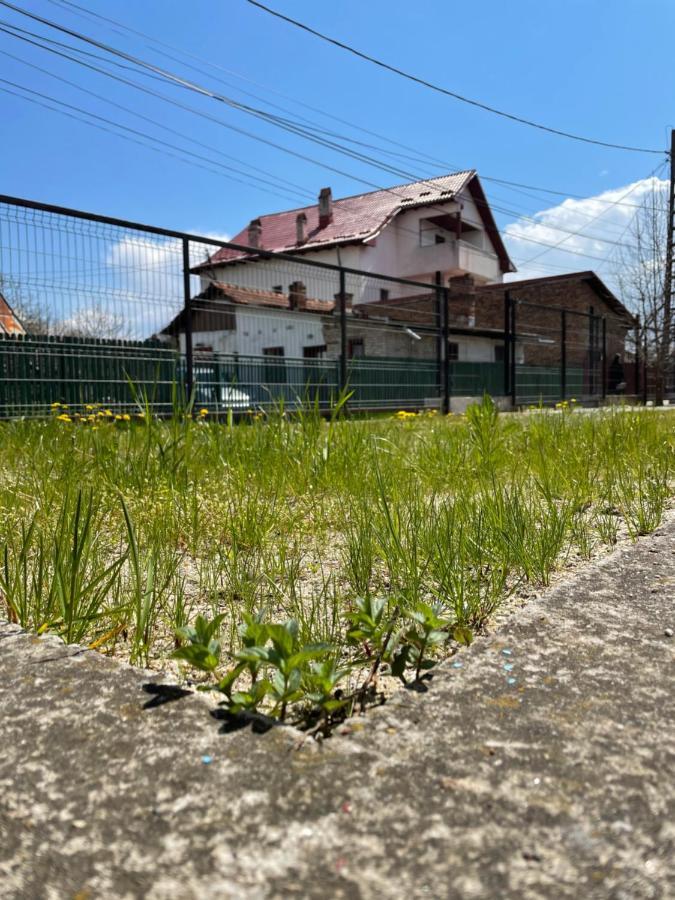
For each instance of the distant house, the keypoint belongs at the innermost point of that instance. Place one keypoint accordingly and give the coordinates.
(443, 225)
(253, 305)
(9, 322)
(229, 319)
(476, 319)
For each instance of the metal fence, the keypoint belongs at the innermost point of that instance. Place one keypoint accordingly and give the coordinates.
(96, 310)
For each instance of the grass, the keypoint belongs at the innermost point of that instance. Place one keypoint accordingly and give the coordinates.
(293, 559)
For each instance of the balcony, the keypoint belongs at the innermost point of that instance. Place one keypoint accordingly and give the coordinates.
(477, 262)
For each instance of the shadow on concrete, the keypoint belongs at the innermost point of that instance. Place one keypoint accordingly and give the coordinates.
(163, 693)
(232, 722)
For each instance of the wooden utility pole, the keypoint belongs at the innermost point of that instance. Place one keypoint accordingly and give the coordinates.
(668, 277)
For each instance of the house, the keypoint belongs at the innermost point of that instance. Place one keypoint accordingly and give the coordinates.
(414, 231)
(253, 305)
(229, 319)
(9, 322)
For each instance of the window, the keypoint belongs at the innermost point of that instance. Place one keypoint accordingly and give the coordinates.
(384, 294)
(314, 352)
(355, 347)
(453, 351)
(274, 372)
(499, 353)
(439, 239)
(278, 288)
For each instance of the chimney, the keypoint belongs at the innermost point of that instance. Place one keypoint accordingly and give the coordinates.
(325, 207)
(297, 295)
(348, 301)
(254, 233)
(300, 222)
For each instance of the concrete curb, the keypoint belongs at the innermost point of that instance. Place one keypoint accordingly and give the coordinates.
(555, 784)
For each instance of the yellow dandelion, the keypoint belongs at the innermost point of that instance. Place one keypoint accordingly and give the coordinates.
(203, 412)
(64, 418)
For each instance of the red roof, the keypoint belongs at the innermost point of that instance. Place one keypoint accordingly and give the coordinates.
(9, 324)
(254, 297)
(357, 219)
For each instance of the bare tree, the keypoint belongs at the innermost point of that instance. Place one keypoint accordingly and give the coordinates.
(92, 322)
(641, 270)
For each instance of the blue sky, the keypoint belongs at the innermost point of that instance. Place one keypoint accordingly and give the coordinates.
(589, 66)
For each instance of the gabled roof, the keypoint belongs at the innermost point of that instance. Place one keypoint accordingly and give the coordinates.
(219, 296)
(9, 323)
(594, 281)
(360, 219)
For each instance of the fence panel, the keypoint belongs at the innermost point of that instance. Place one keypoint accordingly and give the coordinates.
(90, 305)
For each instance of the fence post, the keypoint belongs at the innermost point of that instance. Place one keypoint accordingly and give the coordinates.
(563, 355)
(187, 301)
(440, 325)
(342, 297)
(514, 389)
(604, 358)
(507, 342)
(445, 306)
(637, 356)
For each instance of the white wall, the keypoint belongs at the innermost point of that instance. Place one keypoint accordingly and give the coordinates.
(395, 252)
(257, 329)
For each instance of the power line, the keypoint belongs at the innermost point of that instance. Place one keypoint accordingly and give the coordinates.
(420, 156)
(292, 187)
(77, 112)
(275, 120)
(441, 90)
(580, 230)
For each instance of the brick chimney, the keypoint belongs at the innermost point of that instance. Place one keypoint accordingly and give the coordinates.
(300, 223)
(348, 301)
(325, 207)
(462, 297)
(462, 284)
(254, 233)
(297, 295)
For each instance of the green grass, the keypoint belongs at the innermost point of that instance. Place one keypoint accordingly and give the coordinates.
(121, 533)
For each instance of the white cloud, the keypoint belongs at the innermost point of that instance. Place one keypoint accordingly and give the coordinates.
(593, 220)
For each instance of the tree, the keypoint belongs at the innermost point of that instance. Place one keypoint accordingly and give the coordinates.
(640, 275)
(92, 322)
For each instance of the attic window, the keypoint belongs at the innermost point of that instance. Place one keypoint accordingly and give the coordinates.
(446, 193)
(425, 193)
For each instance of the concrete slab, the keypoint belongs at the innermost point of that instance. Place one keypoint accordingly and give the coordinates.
(556, 784)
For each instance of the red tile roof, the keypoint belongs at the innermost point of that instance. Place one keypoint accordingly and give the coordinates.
(357, 219)
(253, 297)
(9, 324)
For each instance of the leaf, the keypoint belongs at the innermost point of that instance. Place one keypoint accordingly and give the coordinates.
(197, 656)
(462, 634)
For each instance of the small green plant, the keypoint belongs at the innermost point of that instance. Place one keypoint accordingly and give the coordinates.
(202, 647)
(426, 632)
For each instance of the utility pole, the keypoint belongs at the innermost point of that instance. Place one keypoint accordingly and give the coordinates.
(668, 277)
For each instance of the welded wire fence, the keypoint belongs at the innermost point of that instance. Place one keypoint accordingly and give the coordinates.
(96, 311)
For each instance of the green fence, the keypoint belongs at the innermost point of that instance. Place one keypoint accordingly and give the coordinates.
(544, 383)
(38, 371)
